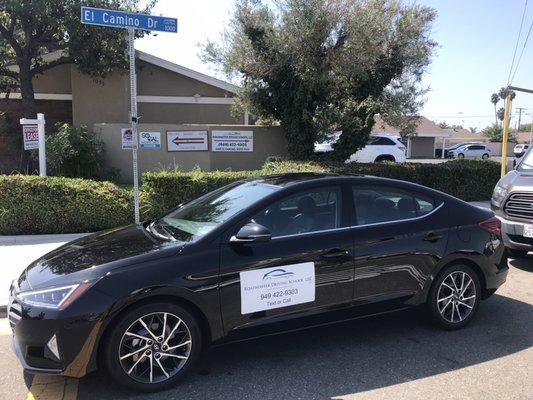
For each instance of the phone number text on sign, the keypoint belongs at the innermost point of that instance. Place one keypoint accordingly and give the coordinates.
(282, 286)
(235, 141)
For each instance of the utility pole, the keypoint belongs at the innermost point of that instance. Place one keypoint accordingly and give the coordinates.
(520, 109)
(505, 139)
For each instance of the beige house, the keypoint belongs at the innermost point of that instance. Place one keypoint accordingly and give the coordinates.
(166, 93)
(423, 143)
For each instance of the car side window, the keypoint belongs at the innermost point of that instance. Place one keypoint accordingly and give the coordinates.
(309, 211)
(381, 141)
(380, 204)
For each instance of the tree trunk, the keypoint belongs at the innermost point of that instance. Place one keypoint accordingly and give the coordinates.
(495, 114)
(29, 108)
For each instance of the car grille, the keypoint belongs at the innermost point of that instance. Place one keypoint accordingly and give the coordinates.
(519, 205)
(14, 313)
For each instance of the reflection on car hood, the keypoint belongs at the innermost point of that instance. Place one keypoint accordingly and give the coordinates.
(90, 257)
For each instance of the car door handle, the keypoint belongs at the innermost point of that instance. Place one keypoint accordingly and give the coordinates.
(432, 237)
(335, 253)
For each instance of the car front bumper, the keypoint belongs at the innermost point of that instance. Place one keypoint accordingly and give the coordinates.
(55, 341)
(513, 235)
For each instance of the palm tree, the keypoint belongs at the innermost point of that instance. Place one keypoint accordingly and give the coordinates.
(494, 99)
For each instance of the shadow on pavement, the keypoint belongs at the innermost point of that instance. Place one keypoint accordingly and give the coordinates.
(525, 263)
(345, 358)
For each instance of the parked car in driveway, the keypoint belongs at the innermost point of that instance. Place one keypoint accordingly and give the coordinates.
(471, 151)
(253, 258)
(512, 201)
(519, 150)
(454, 147)
(379, 148)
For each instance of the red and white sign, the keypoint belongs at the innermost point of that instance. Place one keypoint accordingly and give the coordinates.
(31, 137)
(187, 141)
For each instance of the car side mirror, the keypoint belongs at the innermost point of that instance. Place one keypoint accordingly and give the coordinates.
(252, 233)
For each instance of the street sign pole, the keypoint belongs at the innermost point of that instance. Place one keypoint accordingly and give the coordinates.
(133, 119)
(130, 21)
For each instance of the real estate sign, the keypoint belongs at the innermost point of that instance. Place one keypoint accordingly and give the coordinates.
(31, 137)
(235, 141)
(187, 140)
(150, 140)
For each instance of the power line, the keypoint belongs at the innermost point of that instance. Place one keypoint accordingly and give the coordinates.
(517, 41)
(522, 52)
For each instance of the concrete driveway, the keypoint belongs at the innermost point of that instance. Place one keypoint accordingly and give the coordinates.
(396, 356)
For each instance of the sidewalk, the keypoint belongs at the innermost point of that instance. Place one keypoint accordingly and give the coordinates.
(17, 252)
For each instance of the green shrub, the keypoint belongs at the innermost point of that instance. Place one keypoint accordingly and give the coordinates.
(75, 152)
(469, 180)
(33, 205)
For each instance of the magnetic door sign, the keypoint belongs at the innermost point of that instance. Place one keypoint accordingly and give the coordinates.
(31, 137)
(126, 136)
(150, 140)
(187, 141)
(237, 141)
(275, 287)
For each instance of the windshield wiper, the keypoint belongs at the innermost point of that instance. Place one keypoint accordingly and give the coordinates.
(152, 229)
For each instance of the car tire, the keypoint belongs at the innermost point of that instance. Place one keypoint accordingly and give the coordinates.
(449, 308)
(163, 371)
(485, 156)
(461, 156)
(384, 159)
(515, 253)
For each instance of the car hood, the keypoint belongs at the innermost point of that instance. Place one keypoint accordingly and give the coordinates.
(92, 256)
(518, 181)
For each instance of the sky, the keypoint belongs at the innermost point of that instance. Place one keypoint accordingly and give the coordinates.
(476, 38)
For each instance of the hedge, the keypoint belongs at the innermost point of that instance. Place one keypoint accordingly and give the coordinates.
(469, 180)
(33, 205)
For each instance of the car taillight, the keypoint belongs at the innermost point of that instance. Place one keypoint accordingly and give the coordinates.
(492, 225)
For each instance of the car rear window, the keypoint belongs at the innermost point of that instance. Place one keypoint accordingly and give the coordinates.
(381, 141)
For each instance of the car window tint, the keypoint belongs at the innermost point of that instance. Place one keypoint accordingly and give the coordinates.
(378, 204)
(381, 141)
(309, 211)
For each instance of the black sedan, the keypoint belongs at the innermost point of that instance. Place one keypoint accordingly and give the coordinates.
(255, 257)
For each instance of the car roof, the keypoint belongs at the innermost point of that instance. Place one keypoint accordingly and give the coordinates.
(304, 178)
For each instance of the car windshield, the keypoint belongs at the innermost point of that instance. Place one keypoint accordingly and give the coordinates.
(200, 216)
(527, 163)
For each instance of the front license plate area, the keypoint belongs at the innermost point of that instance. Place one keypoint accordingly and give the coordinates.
(528, 231)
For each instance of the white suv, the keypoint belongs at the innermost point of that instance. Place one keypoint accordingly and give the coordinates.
(471, 151)
(379, 148)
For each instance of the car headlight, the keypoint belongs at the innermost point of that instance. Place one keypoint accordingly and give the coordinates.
(56, 297)
(499, 193)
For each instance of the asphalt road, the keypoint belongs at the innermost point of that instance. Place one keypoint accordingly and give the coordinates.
(397, 356)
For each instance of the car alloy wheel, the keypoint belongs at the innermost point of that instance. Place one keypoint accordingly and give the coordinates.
(485, 156)
(461, 155)
(456, 297)
(155, 347)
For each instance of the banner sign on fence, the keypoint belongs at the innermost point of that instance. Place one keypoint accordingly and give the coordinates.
(31, 137)
(237, 141)
(150, 140)
(187, 140)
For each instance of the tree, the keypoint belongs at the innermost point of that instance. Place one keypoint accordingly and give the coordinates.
(445, 125)
(500, 114)
(494, 99)
(495, 134)
(324, 66)
(30, 29)
(473, 129)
